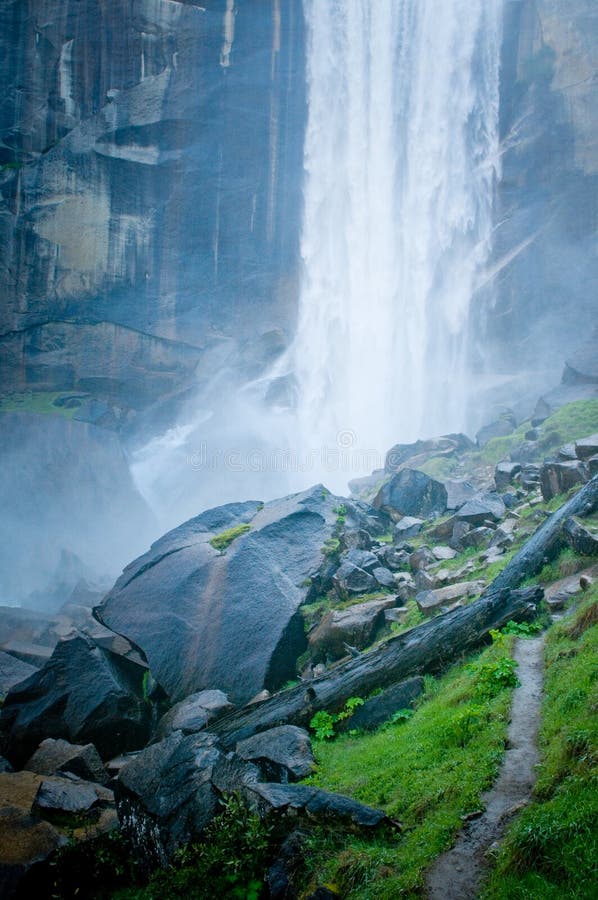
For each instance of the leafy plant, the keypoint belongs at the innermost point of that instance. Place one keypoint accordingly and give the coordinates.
(493, 677)
(323, 722)
(225, 538)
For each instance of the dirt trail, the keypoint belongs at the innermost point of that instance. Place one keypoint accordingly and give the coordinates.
(456, 875)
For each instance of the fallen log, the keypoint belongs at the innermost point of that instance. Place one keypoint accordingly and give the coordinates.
(545, 543)
(427, 648)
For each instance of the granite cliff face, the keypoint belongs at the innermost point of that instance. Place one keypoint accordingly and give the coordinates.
(150, 164)
(546, 260)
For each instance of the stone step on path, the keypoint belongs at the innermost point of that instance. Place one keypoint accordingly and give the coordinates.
(457, 874)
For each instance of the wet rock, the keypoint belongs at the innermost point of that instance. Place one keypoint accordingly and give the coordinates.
(397, 614)
(193, 713)
(380, 708)
(83, 694)
(421, 558)
(443, 530)
(477, 537)
(458, 493)
(356, 626)
(504, 426)
(53, 756)
(443, 553)
(587, 447)
(424, 581)
(394, 559)
(361, 558)
(408, 526)
(25, 841)
(412, 493)
(458, 532)
(70, 795)
(592, 464)
(282, 754)
(350, 579)
(33, 654)
(558, 477)
(530, 477)
(205, 608)
(567, 453)
(446, 445)
(484, 507)
(358, 539)
(434, 599)
(12, 672)
(580, 538)
(384, 577)
(288, 863)
(505, 474)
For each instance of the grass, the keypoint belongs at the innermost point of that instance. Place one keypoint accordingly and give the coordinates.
(225, 538)
(551, 850)
(568, 562)
(426, 770)
(42, 403)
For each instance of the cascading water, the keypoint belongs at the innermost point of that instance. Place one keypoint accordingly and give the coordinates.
(401, 155)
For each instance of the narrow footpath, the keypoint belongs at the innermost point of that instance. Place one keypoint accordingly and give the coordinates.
(457, 874)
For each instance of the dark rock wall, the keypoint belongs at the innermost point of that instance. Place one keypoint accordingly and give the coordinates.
(150, 167)
(546, 252)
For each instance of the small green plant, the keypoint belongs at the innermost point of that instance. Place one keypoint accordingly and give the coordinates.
(323, 722)
(331, 547)
(225, 538)
(401, 715)
(523, 629)
(493, 677)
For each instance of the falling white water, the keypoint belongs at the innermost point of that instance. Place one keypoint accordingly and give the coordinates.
(401, 156)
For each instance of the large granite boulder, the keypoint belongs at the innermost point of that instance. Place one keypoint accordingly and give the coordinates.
(282, 754)
(84, 694)
(557, 477)
(226, 618)
(355, 626)
(412, 493)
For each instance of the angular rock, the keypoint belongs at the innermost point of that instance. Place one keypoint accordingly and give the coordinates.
(83, 694)
(530, 477)
(33, 654)
(394, 558)
(483, 507)
(446, 445)
(297, 801)
(12, 672)
(412, 493)
(229, 618)
(71, 795)
(421, 558)
(53, 756)
(477, 537)
(443, 553)
(408, 526)
(350, 579)
(501, 428)
(567, 453)
(424, 581)
(434, 599)
(361, 558)
(289, 861)
(592, 464)
(193, 713)
(580, 538)
(282, 754)
(358, 539)
(458, 493)
(505, 473)
(384, 577)
(587, 447)
(397, 614)
(558, 477)
(380, 708)
(356, 626)
(459, 530)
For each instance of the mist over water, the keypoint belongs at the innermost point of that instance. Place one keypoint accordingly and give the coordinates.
(401, 158)
(400, 163)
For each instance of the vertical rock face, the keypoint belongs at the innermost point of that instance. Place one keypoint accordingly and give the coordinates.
(150, 160)
(547, 215)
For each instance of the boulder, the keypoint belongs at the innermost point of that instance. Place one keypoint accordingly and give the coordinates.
(282, 754)
(477, 537)
(443, 553)
(83, 694)
(434, 599)
(408, 526)
(505, 474)
(25, 841)
(394, 558)
(587, 447)
(193, 713)
(421, 558)
(483, 507)
(384, 577)
(530, 477)
(71, 795)
(458, 492)
(412, 493)
(53, 756)
(421, 450)
(357, 539)
(592, 464)
(558, 477)
(356, 626)
(567, 453)
(503, 426)
(227, 616)
(350, 579)
(13, 671)
(580, 538)
(33, 654)
(361, 558)
(381, 707)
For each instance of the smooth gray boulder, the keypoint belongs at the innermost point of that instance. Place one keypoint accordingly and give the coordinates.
(193, 713)
(412, 493)
(481, 508)
(408, 526)
(226, 618)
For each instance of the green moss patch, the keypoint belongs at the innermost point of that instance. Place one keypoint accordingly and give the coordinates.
(225, 538)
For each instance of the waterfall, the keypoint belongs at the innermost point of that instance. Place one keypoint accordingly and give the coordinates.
(401, 156)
